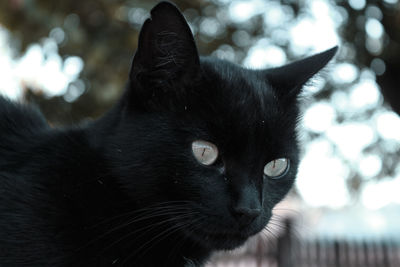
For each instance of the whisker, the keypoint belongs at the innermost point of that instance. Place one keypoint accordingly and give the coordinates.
(159, 205)
(158, 212)
(164, 234)
(147, 228)
(189, 230)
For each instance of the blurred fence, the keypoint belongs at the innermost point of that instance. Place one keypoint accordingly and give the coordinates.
(289, 250)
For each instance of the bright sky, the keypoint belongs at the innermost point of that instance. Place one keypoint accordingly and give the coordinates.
(329, 159)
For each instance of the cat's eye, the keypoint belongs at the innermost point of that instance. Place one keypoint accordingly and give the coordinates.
(205, 152)
(276, 168)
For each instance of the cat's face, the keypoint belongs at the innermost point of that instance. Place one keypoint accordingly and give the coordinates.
(218, 139)
(241, 153)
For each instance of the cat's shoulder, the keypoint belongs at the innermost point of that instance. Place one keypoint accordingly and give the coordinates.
(19, 119)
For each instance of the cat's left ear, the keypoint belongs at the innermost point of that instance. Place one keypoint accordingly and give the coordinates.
(166, 49)
(289, 79)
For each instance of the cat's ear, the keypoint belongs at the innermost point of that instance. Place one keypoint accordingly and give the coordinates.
(166, 49)
(289, 79)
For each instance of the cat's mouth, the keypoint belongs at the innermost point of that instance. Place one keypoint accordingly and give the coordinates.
(217, 233)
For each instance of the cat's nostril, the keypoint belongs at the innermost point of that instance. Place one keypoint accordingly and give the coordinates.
(246, 215)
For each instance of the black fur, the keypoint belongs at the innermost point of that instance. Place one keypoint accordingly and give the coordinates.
(126, 190)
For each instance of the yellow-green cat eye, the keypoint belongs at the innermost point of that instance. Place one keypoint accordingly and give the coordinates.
(276, 168)
(205, 152)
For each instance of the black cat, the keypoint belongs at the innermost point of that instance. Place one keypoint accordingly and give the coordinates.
(191, 160)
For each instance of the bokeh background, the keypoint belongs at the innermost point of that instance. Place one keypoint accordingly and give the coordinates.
(71, 58)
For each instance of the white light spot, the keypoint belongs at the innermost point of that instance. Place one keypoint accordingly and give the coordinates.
(370, 166)
(321, 176)
(317, 34)
(365, 94)
(374, 46)
(51, 78)
(29, 66)
(241, 11)
(357, 4)
(367, 74)
(210, 27)
(374, 28)
(319, 117)
(388, 125)
(276, 14)
(344, 73)
(73, 66)
(340, 101)
(351, 138)
(319, 8)
(261, 56)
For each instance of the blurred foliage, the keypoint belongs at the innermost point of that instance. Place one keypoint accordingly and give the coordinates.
(355, 36)
(104, 34)
(364, 50)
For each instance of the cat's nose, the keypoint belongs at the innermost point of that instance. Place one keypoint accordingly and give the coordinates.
(246, 216)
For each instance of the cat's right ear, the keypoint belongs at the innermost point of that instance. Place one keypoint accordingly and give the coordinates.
(166, 52)
(289, 79)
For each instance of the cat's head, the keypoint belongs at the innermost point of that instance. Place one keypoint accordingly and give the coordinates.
(209, 135)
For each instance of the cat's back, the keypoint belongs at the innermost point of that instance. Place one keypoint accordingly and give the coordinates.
(19, 126)
(30, 211)
(19, 119)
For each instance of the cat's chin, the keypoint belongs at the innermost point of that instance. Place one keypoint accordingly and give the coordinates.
(225, 241)
(221, 240)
